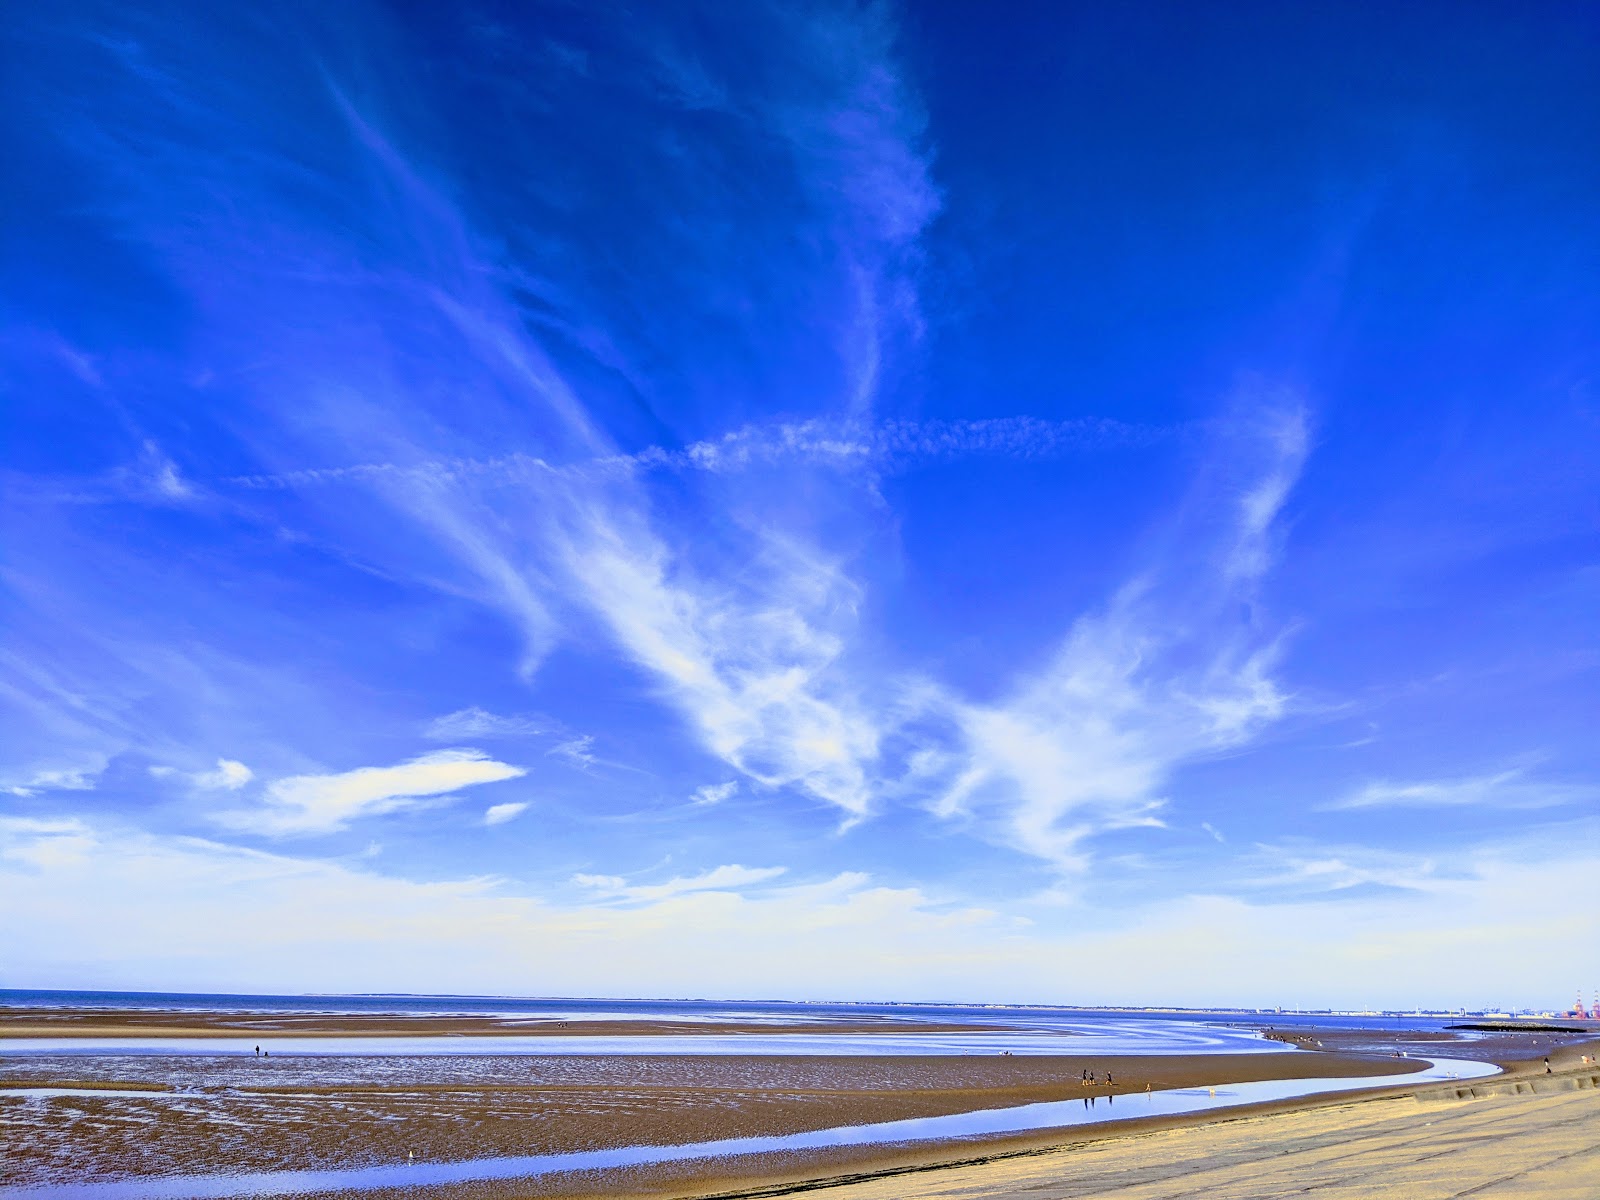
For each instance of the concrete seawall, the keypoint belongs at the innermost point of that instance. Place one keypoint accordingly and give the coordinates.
(1524, 1085)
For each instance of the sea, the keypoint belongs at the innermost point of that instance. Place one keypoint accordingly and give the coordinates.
(777, 1013)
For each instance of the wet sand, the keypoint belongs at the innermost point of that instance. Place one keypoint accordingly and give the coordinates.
(231, 1114)
(95, 1022)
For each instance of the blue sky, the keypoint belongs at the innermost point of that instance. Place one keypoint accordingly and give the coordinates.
(825, 501)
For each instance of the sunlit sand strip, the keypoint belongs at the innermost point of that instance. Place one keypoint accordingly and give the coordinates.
(1506, 1143)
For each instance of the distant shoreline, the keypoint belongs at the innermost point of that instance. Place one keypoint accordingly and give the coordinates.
(461, 1004)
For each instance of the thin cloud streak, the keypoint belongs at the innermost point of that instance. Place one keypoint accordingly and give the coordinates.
(475, 724)
(1511, 789)
(729, 878)
(851, 445)
(53, 779)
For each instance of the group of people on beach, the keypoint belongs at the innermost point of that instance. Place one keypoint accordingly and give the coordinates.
(1089, 1078)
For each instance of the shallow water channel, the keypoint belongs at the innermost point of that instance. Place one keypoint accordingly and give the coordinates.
(1025, 1118)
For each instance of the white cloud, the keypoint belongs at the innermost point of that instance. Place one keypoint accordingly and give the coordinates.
(499, 814)
(475, 724)
(307, 804)
(845, 444)
(607, 882)
(753, 668)
(53, 779)
(855, 444)
(1308, 869)
(78, 362)
(758, 662)
(1278, 433)
(45, 845)
(156, 477)
(754, 673)
(1506, 789)
(170, 484)
(713, 793)
(330, 926)
(1166, 674)
(752, 638)
(228, 775)
(731, 877)
(578, 751)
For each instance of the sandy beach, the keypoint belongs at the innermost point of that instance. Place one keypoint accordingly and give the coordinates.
(75, 1118)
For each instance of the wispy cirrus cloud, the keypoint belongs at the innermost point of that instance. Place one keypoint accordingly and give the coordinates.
(578, 751)
(838, 444)
(1512, 789)
(757, 673)
(753, 672)
(315, 804)
(52, 779)
(475, 724)
(441, 348)
(1164, 675)
(1303, 868)
(751, 667)
(150, 477)
(713, 793)
(752, 638)
(729, 878)
(900, 444)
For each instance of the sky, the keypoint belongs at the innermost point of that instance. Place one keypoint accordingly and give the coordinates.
(1061, 504)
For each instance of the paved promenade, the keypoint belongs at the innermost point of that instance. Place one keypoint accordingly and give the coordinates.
(1500, 1147)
